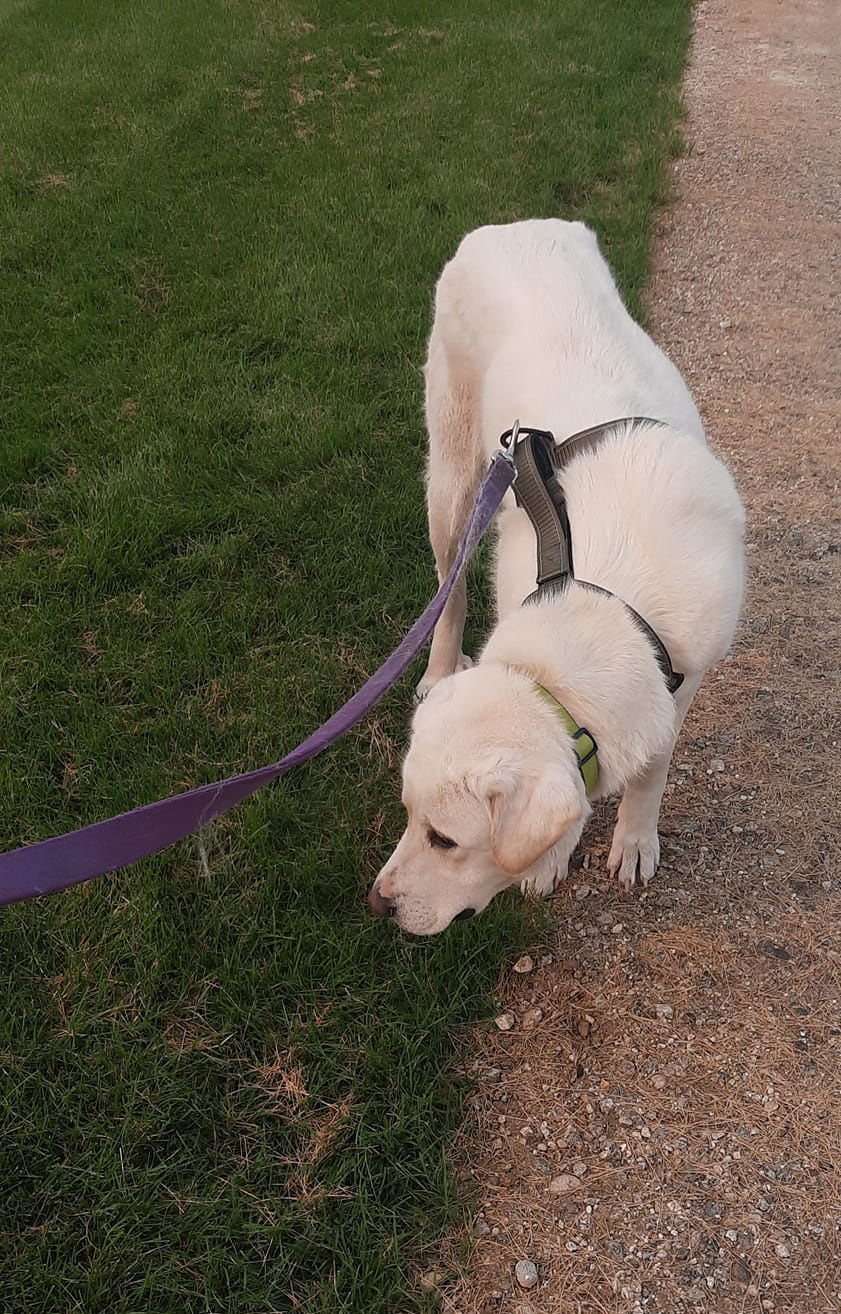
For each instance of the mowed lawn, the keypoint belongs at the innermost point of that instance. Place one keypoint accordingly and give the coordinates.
(221, 1086)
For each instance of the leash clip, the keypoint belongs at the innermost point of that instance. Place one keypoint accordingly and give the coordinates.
(508, 440)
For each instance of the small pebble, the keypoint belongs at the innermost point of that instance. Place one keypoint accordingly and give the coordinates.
(664, 1011)
(563, 1184)
(526, 1274)
(524, 964)
(531, 1018)
(432, 1279)
(782, 1251)
(773, 950)
(717, 764)
(505, 1021)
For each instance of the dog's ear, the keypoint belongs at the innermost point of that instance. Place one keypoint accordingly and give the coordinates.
(529, 815)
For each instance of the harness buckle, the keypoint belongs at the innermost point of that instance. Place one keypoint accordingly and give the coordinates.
(586, 754)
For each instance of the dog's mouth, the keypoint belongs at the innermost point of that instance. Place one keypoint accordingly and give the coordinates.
(436, 928)
(388, 908)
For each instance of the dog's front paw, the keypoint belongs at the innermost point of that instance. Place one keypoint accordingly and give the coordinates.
(544, 877)
(633, 856)
(431, 677)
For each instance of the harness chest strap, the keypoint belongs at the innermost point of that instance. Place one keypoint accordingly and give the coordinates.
(539, 461)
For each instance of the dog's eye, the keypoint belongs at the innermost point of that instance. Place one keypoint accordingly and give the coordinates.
(439, 841)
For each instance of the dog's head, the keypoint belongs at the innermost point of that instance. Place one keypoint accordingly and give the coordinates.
(490, 786)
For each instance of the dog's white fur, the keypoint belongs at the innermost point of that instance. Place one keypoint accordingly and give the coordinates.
(529, 325)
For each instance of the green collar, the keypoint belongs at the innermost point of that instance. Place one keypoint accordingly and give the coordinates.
(586, 748)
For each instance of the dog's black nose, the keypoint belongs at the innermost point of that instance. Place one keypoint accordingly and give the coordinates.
(380, 906)
(464, 914)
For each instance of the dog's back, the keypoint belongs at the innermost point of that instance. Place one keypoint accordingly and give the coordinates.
(532, 309)
(530, 325)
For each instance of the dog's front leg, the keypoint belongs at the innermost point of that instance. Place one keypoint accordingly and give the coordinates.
(635, 851)
(445, 654)
(454, 474)
(551, 870)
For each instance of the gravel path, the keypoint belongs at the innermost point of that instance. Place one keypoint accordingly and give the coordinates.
(658, 1126)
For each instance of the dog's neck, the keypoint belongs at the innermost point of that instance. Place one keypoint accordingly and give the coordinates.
(586, 650)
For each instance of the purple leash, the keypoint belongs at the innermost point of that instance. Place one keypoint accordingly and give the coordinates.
(55, 864)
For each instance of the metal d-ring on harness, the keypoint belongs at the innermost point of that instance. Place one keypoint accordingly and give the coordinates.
(538, 462)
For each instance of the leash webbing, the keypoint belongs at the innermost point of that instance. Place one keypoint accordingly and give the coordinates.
(80, 855)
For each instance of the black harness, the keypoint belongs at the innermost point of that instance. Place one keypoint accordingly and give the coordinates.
(539, 462)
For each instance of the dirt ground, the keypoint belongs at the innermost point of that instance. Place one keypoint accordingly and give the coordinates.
(661, 1129)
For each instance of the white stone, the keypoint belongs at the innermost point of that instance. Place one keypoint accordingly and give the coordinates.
(524, 964)
(526, 1274)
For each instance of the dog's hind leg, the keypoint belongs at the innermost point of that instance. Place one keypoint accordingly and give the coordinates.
(453, 477)
(635, 851)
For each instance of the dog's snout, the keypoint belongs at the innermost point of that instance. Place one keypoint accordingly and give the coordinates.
(380, 906)
(464, 914)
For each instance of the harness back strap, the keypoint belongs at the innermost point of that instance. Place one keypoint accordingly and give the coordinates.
(539, 460)
(540, 495)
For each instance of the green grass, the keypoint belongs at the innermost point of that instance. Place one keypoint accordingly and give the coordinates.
(221, 226)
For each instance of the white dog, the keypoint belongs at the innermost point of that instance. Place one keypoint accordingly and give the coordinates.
(529, 324)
